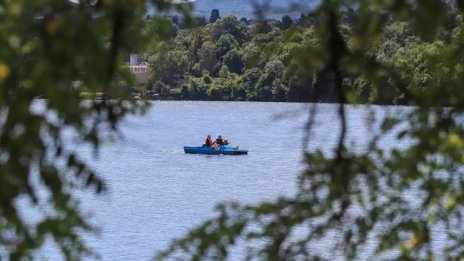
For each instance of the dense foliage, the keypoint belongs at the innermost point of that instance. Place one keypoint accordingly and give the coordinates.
(229, 59)
(53, 52)
(260, 60)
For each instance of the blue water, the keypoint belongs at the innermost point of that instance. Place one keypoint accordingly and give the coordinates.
(256, 8)
(157, 192)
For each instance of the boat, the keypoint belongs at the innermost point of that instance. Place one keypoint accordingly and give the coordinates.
(223, 150)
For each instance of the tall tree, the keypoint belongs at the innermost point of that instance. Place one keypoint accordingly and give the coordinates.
(214, 16)
(52, 53)
(207, 56)
(286, 22)
(224, 44)
(233, 60)
(229, 25)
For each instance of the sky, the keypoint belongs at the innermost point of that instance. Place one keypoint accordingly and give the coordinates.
(247, 8)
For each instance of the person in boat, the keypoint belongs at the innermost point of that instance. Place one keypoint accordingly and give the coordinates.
(220, 141)
(210, 143)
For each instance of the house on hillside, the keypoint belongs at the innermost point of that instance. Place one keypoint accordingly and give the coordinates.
(141, 69)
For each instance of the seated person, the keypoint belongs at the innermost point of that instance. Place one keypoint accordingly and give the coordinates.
(210, 143)
(219, 140)
(222, 141)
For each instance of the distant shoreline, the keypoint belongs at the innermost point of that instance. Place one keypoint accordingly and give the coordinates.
(241, 8)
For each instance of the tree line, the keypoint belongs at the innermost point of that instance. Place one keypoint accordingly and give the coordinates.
(263, 60)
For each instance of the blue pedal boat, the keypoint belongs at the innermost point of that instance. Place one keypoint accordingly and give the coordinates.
(223, 150)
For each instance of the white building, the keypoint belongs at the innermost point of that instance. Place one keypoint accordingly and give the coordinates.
(141, 70)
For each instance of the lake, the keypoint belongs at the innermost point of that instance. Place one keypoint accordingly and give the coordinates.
(157, 193)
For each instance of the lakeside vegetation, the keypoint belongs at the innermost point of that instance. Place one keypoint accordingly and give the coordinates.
(264, 60)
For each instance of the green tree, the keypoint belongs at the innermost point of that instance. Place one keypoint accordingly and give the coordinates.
(219, 91)
(196, 43)
(224, 72)
(207, 55)
(52, 54)
(261, 27)
(264, 87)
(299, 82)
(279, 91)
(238, 92)
(184, 92)
(286, 22)
(250, 78)
(197, 88)
(196, 70)
(171, 66)
(252, 56)
(161, 88)
(214, 16)
(233, 60)
(224, 44)
(229, 25)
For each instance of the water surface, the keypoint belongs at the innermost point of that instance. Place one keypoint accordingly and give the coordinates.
(157, 193)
